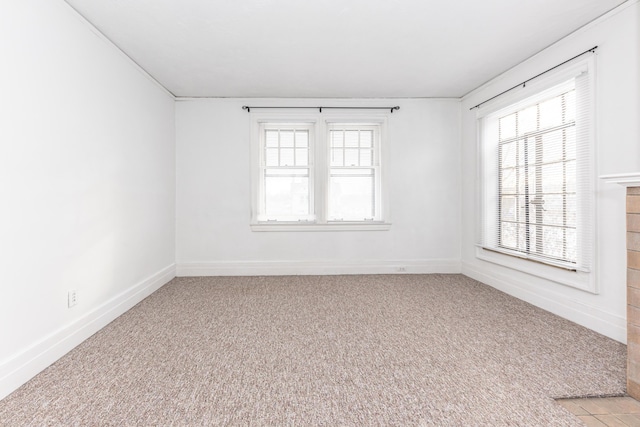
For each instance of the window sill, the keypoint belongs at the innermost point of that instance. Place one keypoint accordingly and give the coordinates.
(584, 281)
(346, 226)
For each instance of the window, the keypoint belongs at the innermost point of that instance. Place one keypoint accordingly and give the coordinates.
(286, 184)
(354, 174)
(537, 174)
(318, 173)
(537, 179)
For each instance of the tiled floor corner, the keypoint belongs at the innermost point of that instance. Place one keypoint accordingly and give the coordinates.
(605, 411)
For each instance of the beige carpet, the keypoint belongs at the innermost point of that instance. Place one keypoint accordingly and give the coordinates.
(324, 351)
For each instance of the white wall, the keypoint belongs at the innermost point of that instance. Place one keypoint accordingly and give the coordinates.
(87, 184)
(214, 196)
(618, 151)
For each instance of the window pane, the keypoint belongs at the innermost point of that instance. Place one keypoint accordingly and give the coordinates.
(286, 157)
(337, 158)
(366, 138)
(553, 210)
(509, 208)
(286, 196)
(302, 157)
(536, 208)
(509, 235)
(337, 138)
(286, 138)
(272, 157)
(509, 181)
(351, 138)
(351, 195)
(302, 139)
(508, 154)
(507, 127)
(528, 120)
(553, 242)
(522, 237)
(552, 178)
(271, 137)
(551, 113)
(552, 146)
(351, 157)
(366, 157)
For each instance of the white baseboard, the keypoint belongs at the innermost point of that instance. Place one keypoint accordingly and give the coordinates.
(594, 318)
(289, 268)
(26, 364)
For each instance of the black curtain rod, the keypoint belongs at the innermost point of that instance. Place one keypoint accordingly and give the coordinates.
(248, 108)
(524, 83)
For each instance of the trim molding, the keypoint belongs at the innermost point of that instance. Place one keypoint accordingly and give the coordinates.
(326, 267)
(27, 363)
(631, 179)
(594, 318)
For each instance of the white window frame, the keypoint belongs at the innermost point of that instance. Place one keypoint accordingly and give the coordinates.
(583, 279)
(320, 124)
(263, 127)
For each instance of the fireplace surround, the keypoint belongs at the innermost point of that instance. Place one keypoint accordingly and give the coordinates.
(632, 183)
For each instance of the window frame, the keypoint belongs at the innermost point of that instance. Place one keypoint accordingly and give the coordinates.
(264, 167)
(558, 272)
(320, 124)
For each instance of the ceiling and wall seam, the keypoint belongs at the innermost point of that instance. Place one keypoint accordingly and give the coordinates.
(602, 18)
(197, 98)
(121, 52)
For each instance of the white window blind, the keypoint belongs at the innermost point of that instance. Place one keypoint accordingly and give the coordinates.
(537, 176)
(354, 173)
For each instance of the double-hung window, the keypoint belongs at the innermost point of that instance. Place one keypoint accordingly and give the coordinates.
(354, 173)
(312, 172)
(537, 177)
(286, 184)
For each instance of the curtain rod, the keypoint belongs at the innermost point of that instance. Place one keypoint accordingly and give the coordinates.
(524, 83)
(248, 108)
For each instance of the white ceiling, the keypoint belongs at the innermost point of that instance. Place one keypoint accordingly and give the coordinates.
(333, 48)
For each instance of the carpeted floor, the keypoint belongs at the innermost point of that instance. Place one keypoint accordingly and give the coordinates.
(406, 350)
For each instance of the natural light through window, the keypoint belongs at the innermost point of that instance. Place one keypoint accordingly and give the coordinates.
(537, 178)
(286, 173)
(353, 175)
(320, 173)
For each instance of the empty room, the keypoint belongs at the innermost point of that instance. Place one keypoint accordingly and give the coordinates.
(336, 213)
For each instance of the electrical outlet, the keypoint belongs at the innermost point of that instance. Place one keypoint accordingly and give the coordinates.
(401, 269)
(72, 297)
